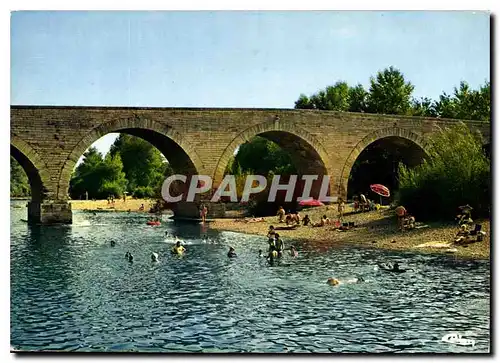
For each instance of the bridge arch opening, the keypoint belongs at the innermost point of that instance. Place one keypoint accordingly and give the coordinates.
(146, 158)
(32, 173)
(274, 152)
(378, 163)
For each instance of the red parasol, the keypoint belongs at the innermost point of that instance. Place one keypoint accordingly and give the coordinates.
(310, 203)
(380, 190)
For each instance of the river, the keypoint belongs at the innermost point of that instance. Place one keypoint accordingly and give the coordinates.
(72, 291)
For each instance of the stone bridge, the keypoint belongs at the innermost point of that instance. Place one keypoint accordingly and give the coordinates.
(48, 141)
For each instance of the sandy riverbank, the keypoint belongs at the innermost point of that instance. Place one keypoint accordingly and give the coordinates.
(119, 205)
(376, 229)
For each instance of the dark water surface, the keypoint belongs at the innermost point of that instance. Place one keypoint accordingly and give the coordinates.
(71, 291)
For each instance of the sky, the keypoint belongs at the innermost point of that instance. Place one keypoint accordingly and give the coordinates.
(235, 59)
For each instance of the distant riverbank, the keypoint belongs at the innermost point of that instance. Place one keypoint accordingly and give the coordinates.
(375, 229)
(131, 204)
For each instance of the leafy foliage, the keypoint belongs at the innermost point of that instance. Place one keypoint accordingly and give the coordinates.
(465, 103)
(99, 177)
(457, 173)
(19, 183)
(261, 156)
(143, 164)
(389, 93)
(339, 97)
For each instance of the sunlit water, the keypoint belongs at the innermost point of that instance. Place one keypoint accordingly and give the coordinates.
(72, 291)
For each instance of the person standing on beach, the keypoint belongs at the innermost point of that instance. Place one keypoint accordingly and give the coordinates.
(341, 209)
(280, 246)
(203, 213)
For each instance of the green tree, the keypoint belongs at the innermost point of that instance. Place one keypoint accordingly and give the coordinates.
(466, 103)
(143, 164)
(389, 93)
(423, 107)
(304, 102)
(456, 173)
(262, 156)
(357, 99)
(98, 177)
(19, 183)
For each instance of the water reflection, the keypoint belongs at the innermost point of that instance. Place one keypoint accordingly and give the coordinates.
(70, 290)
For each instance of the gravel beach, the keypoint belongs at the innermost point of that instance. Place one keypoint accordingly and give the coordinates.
(375, 229)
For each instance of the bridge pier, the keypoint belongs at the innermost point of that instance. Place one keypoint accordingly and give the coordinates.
(49, 212)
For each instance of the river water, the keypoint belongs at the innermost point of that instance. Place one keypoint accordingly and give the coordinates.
(72, 291)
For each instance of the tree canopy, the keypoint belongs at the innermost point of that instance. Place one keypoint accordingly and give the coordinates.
(390, 93)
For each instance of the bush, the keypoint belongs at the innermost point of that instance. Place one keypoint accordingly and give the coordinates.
(111, 188)
(457, 172)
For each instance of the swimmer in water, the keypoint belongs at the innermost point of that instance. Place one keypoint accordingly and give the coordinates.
(231, 253)
(293, 252)
(130, 258)
(273, 254)
(178, 248)
(332, 282)
(260, 253)
(113, 243)
(154, 257)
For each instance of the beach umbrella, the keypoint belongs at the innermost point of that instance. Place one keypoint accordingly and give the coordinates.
(381, 190)
(310, 203)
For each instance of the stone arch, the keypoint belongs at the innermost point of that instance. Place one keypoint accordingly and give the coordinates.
(162, 136)
(33, 165)
(288, 136)
(369, 139)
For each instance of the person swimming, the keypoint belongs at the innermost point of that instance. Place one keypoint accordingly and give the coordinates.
(273, 253)
(293, 252)
(260, 253)
(231, 253)
(332, 282)
(154, 257)
(113, 243)
(130, 257)
(178, 248)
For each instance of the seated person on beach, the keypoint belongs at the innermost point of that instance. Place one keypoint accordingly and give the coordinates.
(281, 215)
(363, 202)
(297, 218)
(231, 253)
(324, 221)
(252, 220)
(401, 214)
(178, 248)
(355, 203)
(306, 220)
(288, 219)
(141, 208)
